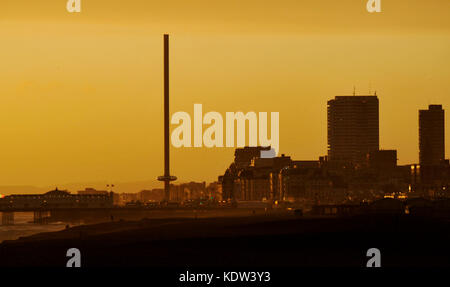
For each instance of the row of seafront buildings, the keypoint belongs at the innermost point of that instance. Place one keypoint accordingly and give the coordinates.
(315, 182)
(190, 191)
(93, 198)
(355, 169)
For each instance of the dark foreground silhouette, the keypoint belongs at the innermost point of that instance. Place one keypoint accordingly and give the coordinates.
(257, 241)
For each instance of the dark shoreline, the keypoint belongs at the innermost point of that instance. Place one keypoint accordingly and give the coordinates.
(271, 240)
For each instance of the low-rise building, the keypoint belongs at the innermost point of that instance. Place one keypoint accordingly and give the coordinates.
(56, 199)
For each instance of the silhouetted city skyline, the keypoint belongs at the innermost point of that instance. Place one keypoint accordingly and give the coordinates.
(303, 134)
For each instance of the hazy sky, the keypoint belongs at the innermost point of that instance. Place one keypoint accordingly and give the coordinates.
(81, 94)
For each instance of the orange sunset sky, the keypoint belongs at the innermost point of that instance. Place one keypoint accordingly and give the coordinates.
(82, 94)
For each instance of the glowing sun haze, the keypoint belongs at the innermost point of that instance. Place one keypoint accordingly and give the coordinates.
(82, 93)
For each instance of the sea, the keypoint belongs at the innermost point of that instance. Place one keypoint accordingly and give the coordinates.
(23, 226)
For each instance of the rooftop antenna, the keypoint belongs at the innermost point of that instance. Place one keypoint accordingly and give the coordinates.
(354, 90)
(167, 178)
